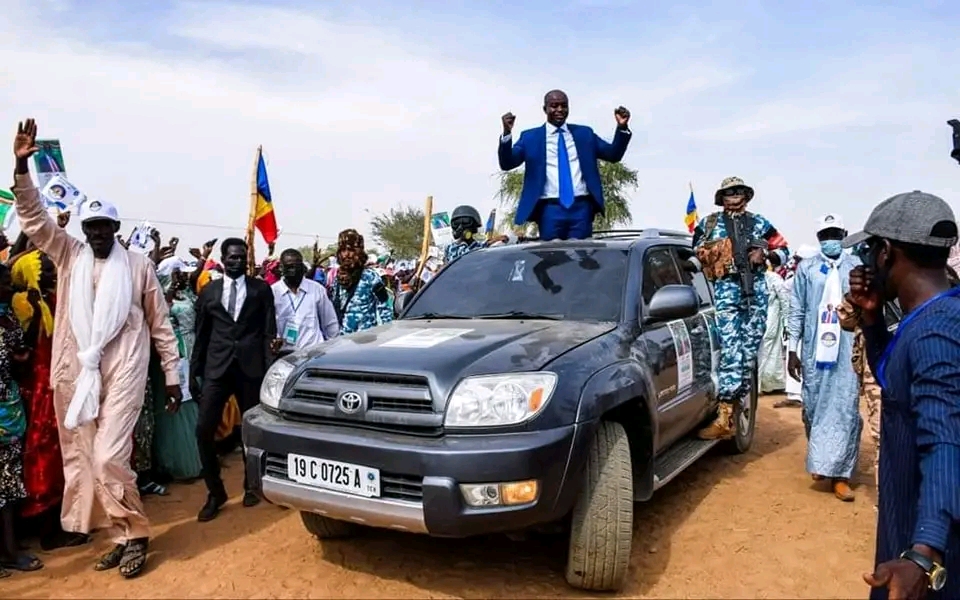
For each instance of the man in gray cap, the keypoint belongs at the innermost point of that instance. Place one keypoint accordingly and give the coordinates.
(904, 247)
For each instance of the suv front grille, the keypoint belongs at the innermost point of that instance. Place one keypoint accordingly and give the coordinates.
(391, 402)
(392, 485)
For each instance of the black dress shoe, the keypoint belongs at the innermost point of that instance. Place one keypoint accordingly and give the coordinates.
(211, 509)
(250, 499)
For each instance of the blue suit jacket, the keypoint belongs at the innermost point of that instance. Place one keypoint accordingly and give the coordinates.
(531, 151)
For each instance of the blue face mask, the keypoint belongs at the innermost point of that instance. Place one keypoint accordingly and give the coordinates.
(831, 248)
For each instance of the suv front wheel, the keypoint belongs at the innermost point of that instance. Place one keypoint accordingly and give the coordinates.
(744, 421)
(325, 528)
(602, 527)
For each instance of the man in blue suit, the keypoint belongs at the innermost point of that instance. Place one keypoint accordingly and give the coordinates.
(561, 181)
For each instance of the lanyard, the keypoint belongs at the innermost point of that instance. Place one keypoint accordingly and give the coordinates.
(296, 307)
(907, 319)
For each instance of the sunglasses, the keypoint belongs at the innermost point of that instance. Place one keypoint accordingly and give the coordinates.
(735, 191)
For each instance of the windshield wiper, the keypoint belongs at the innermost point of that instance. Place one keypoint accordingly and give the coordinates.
(518, 314)
(431, 315)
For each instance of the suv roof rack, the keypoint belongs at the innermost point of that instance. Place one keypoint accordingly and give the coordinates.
(640, 233)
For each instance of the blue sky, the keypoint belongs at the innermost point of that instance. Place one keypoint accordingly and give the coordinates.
(366, 104)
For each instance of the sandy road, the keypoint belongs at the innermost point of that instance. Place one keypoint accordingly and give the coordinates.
(752, 526)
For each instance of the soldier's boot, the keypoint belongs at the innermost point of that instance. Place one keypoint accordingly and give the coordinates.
(841, 489)
(722, 426)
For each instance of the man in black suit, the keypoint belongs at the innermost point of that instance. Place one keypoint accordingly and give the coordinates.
(236, 340)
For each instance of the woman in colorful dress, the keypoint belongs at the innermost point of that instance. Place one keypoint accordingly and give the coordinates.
(42, 463)
(13, 427)
(175, 437)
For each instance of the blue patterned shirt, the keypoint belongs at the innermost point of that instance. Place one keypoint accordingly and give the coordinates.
(363, 310)
(458, 249)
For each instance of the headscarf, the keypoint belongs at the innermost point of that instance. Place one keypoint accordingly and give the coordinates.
(351, 257)
(270, 266)
(25, 273)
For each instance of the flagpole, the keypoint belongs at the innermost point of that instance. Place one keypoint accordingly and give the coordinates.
(691, 187)
(425, 248)
(251, 254)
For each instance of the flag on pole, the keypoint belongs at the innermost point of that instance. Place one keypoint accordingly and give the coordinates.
(491, 222)
(264, 218)
(7, 210)
(691, 217)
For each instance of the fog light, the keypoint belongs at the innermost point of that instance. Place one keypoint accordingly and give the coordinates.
(498, 494)
(484, 494)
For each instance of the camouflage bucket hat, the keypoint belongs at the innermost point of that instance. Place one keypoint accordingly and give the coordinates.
(732, 183)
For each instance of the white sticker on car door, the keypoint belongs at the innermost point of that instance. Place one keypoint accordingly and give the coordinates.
(681, 342)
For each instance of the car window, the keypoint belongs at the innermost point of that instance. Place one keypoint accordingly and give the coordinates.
(694, 278)
(659, 269)
(584, 284)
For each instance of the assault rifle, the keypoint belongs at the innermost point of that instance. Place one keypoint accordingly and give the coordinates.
(743, 242)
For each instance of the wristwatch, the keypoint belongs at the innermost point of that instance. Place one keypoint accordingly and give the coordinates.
(936, 573)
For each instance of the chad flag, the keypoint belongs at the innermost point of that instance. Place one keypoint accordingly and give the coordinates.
(263, 216)
(691, 218)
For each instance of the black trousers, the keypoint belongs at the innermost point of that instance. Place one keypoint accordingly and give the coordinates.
(213, 397)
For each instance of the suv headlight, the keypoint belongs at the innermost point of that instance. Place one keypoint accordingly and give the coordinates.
(496, 400)
(271, 390)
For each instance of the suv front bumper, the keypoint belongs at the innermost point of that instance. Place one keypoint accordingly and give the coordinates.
(420, 476)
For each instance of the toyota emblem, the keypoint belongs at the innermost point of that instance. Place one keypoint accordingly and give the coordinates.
(350, 402)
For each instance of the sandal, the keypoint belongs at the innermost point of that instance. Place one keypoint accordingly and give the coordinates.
(134, 559)
(110, 560)
(24, 563)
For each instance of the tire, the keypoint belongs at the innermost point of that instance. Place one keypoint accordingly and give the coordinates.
(745, 422)
(325, 528)
(601, 531)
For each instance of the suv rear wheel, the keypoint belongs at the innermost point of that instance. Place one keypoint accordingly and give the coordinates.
(325, 528)
(601, 531)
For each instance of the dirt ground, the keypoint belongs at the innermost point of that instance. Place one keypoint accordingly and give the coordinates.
(752, 526)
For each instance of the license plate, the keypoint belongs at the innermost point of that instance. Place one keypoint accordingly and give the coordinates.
(332, 475)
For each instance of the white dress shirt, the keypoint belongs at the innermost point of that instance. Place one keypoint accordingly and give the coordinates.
(551, 187)
(310, 311)
(241, 284)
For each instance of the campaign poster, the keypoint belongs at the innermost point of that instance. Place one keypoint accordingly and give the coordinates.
(48, 161)
(440, 229)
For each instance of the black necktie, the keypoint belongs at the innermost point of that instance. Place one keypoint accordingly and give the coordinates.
(232, 302)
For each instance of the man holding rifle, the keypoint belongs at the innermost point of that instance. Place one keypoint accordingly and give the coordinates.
(733, 247)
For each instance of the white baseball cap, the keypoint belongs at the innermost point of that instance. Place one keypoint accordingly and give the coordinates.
(96, 210)
(830, 221)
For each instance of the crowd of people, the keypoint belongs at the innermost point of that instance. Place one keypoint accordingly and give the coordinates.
(124, 371)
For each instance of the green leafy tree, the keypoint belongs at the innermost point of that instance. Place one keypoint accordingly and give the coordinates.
(399, 231)
(615, 178)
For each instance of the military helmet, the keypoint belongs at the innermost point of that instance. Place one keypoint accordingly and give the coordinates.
(466, 212)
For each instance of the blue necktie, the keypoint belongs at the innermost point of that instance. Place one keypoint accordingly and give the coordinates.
(563, 172)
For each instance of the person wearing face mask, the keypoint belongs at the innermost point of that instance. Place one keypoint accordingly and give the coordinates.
(831, 388)
(235, 344)
(305, 315)
(111, 308)
(733, 248)
(465, 222)
(904, 246)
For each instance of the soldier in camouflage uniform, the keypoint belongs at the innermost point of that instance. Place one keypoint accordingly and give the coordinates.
(465, 222)
(733, 247)
(359, 297)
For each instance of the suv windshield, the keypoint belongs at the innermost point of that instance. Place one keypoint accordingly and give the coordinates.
(584, 284)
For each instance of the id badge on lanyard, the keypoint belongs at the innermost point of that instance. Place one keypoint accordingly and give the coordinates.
(907, 319)
(291, 331)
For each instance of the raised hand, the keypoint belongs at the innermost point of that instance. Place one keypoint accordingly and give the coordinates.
(508, 120)
(25, 142)
(63, 219)
(622, 115)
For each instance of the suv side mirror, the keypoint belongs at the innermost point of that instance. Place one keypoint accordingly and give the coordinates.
(673, 302)
(401, 301)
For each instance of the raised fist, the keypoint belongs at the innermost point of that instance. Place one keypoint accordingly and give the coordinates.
(508, 120)
(622, 115)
